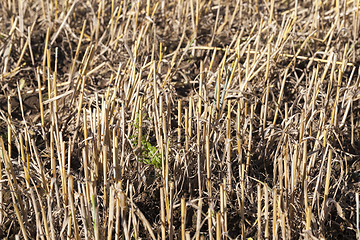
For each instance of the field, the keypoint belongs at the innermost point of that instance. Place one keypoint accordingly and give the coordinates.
(187, 119)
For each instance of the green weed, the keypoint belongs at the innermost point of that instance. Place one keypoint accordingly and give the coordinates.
(148, 153)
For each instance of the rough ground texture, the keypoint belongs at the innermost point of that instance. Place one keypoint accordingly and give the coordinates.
(178, 119)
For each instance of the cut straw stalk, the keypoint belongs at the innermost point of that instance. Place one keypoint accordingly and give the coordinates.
(250, 140)
(183, 218)
(267, 234)
(170, 219)
(9, 126)
(259, 197)
(162, 214)
(179, 120)
(72, 205)
(14, 189)
(132, 213)
(274, 222)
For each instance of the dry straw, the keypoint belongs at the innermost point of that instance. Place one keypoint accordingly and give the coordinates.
(186, 119)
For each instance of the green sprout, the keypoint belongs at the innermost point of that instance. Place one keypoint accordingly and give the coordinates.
(149, 153)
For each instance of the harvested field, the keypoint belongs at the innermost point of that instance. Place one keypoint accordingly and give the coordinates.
(187, 119)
